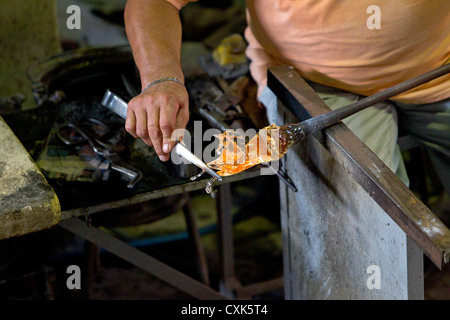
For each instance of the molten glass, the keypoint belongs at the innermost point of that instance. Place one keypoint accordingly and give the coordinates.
(269, 144)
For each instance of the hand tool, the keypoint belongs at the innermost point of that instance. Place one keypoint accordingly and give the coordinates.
(72, 134)
(115, 103)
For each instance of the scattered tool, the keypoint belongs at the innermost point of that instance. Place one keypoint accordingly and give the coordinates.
(115, 103)
(72, 134)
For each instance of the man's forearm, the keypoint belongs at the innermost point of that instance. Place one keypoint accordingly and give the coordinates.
(154, 31)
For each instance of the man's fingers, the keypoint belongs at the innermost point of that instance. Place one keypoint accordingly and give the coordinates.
(130, 126)
(154, 115)
(130, 123)
(167, 118)
(155, 133)
(181, 121)
(141, 126)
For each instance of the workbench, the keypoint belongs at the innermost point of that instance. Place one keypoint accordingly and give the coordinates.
(353, 230)
(30, 202)
(40, 209)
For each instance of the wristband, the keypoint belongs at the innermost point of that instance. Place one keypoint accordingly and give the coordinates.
(162, 80)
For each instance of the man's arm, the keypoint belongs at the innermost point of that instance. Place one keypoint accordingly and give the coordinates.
(154, 31)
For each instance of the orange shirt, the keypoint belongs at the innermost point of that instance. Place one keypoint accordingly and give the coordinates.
(329, 42)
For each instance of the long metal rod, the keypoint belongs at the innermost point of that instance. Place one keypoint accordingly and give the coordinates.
(320, 122)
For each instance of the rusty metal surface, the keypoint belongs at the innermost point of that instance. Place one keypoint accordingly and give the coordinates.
(411, 215)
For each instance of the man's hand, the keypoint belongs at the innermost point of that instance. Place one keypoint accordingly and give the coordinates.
(154, 32)
(156, 113)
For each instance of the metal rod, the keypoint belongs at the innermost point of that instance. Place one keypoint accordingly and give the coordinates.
(320, 122)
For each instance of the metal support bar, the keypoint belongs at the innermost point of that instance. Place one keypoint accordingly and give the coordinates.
(194, 235)
(226, 249)
(91, 262)
(141, 260)
(231, 286)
